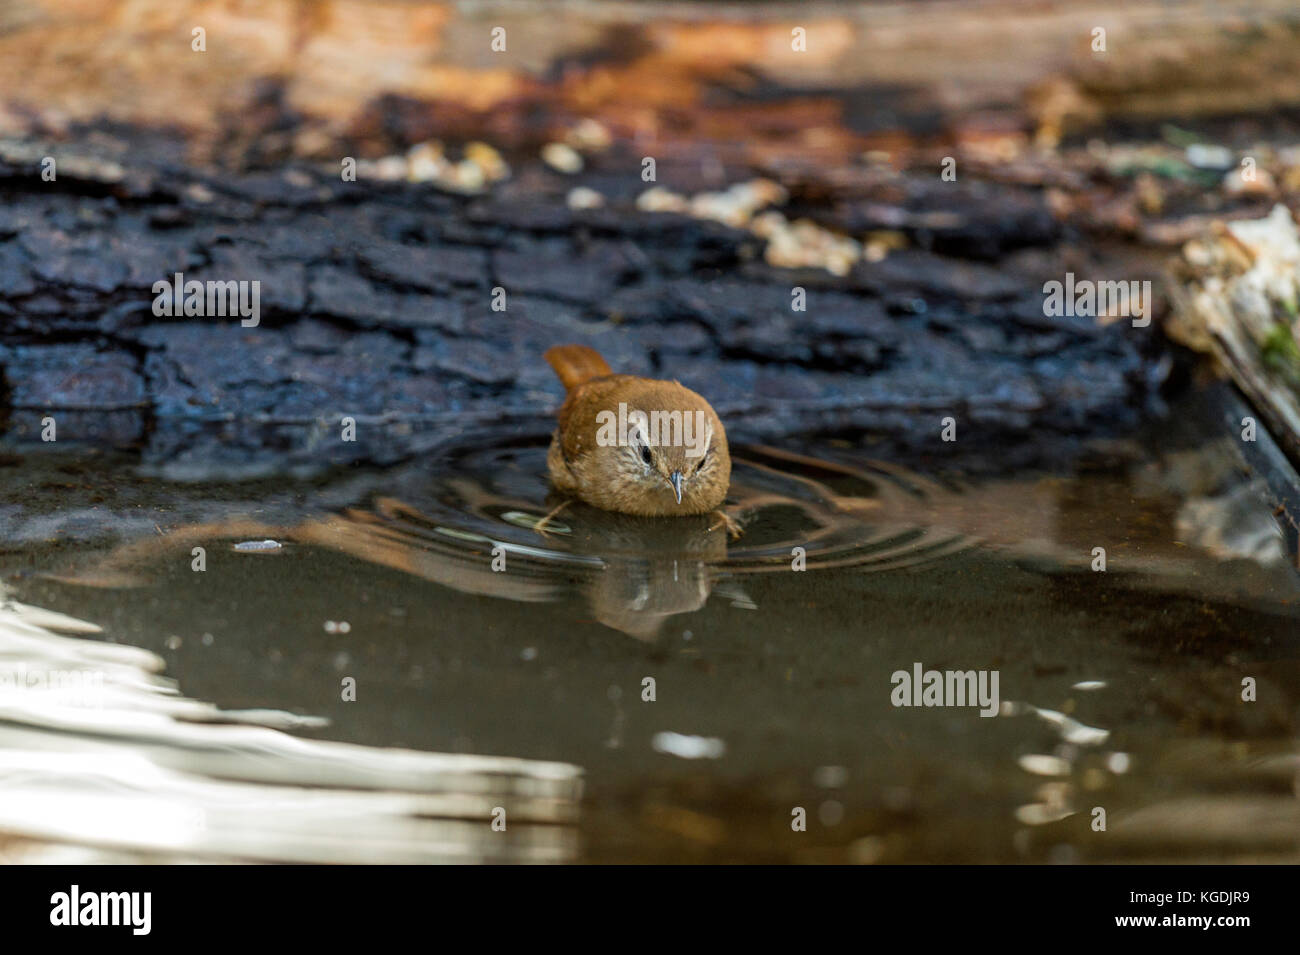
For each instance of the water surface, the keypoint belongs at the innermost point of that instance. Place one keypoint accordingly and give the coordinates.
(217, 727)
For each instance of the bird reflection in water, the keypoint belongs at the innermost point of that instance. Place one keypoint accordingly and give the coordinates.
(635, 572)
(475, 533)
(472, 527)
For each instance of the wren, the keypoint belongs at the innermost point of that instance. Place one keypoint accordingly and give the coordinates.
(635, 445)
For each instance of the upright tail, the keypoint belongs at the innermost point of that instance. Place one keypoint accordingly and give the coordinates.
(576, 364)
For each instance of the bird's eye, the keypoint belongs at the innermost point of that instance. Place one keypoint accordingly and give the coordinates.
(645, 455)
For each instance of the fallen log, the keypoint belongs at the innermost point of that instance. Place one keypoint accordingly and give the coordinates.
(378, 304)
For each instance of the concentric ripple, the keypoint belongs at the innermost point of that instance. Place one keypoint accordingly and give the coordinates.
(867, 515)
(475, 512)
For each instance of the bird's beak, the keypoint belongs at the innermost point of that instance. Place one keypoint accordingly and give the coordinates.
(676, 478)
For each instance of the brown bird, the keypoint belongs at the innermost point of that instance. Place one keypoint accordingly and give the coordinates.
(636, 445)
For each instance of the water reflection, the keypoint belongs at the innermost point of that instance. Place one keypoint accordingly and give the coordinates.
(469, 526)
(472, 530)
(1120, 688)
(97, 748)
(1226, 796)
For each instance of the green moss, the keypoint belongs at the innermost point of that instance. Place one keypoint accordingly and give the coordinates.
(1280, 353)
(1176, 136)
(1167, 167)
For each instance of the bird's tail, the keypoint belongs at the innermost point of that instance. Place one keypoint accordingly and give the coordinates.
(576, 364)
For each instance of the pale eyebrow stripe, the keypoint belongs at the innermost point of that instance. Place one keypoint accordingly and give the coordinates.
(638, 426)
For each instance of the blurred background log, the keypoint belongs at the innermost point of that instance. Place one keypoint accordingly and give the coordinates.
(654, 71)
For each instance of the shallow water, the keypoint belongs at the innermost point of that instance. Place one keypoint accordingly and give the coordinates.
(1118, 690)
